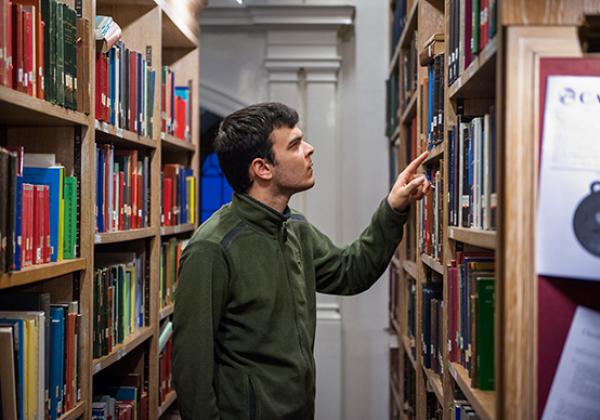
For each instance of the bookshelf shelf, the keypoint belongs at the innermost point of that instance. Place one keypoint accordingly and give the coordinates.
(166, 311)
(475, 80)
(18, 108)
(484, 402)
(432, 263)
(435, 154)
(172, 143)
(434, 382)
(121, 350)
(174, 230)
(175, 32)
(124, 137)
(410, 26)
(396, 134)
(124, 236)
(75, 413)
(410, 110)
(169, 400)
(409, 345)
(410, 267)
(37, 273)
(396, 326)
(476, 237)
(394, 60)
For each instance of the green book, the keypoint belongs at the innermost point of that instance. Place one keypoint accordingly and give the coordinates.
(485, 332)
(70, 224)
(475, 27)
(45, 11)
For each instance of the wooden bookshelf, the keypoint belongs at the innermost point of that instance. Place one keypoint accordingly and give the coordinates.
(475, 80)
(170, 28)
(435, 154)
(172, 143)
(409, 345)
(434, 383)
(121, 350)
(410, 110)
(124, 235)
(121, 137)
(166, 311)
(169, 400)
(432, 263)
(411, 24)
(36, 273)
(410, 267)
(18, 108)
(484, 402)
(475, 237)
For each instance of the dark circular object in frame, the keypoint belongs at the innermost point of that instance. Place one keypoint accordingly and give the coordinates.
(586, 221)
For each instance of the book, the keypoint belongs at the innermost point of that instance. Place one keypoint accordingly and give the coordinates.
(8, 384)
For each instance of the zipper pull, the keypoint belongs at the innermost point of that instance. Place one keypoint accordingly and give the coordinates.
(284, 231)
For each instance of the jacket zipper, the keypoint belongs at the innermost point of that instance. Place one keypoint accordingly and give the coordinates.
(252, 401)
(283, 236)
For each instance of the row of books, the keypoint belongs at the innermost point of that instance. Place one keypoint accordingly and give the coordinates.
(127, 401)
(39, 356)
(463, 410)
(122, 189)
(125, 84)
(410, 63)
(176, 107)
(170, 253)
(120, 294)
(38, 218)
(392, 103)
(471, 302)
(472, 174)
(432, 95)
(431, 211)
(432, 327)
(178, 205)
(400, 12)
(472, 26)
(165, 372)
(40, 50)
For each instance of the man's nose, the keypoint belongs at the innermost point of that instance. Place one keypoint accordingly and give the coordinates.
(310, 149)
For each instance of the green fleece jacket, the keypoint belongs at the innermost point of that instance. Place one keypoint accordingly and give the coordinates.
(245, 307)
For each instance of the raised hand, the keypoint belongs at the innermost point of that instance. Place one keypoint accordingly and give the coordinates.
(409, 186)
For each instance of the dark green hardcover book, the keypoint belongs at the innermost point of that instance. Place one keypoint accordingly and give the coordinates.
(45, 9)
(73, 56)
(51, 46)
(485, 332)
(475, 27)
(60, 54)
(70, 235)
(69, 40)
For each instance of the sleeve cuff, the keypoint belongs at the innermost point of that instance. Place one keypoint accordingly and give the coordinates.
(399, 215)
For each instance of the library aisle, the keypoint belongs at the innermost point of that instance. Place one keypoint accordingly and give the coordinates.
(489, 309)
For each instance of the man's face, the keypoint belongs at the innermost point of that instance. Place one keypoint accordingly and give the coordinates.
(293, 171)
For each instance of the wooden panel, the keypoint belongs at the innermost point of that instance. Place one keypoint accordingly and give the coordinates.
(121, 350)
(484, 402)
(517, 298)
(36, 273)
(546, 12)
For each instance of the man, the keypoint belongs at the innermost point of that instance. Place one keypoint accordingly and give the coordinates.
(245, 306)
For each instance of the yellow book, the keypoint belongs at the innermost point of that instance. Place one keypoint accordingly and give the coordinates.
(191, 198)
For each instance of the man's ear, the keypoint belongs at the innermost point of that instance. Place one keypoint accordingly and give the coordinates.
(261, 170)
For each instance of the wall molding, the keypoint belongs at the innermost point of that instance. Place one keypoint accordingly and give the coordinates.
(218, 100)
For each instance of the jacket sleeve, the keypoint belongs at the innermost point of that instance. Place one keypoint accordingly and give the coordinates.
(354, 268)
(199, 300)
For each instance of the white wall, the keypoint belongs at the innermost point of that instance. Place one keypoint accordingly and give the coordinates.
(232, 61)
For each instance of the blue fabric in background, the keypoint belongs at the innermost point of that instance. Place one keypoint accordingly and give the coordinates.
(216, 191)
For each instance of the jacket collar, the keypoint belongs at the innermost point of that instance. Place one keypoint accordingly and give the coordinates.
(259, 214)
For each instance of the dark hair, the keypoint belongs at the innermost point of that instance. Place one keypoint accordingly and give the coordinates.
(246, 135)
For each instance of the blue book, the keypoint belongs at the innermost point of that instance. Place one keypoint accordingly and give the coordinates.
(430, 107)
(57, 331)
(18, 326)
(124, 393)
(182, 200)
(100, 189)
(19, 222)
(111, 83)
(53, 177)
(151, 101)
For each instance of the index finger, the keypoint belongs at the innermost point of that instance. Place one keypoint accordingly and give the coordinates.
(414, 165)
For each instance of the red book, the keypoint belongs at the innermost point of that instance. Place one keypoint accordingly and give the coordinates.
(26, 220)
(28, 50)
(167, 192)
(99, 102)
(483, 23)
(105, 87)
(17, 19)
(468, 30)
(180, 118)
(38, 224)
(134, 193)
(139, 201)
(8, 43)
(3, 36)
(69, 355)
(113, 216)
(124, 411)
(47, 247)
(121, 195)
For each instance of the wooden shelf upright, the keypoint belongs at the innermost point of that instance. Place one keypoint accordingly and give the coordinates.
(170, 28)
(506, 75)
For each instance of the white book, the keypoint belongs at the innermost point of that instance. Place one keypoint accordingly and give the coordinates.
(461, 160)
(487, 176)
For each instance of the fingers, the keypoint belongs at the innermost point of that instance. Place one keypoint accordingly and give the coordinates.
(417, 183)
(414, 165)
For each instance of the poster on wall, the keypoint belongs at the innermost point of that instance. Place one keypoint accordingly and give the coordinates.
(568, 208)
